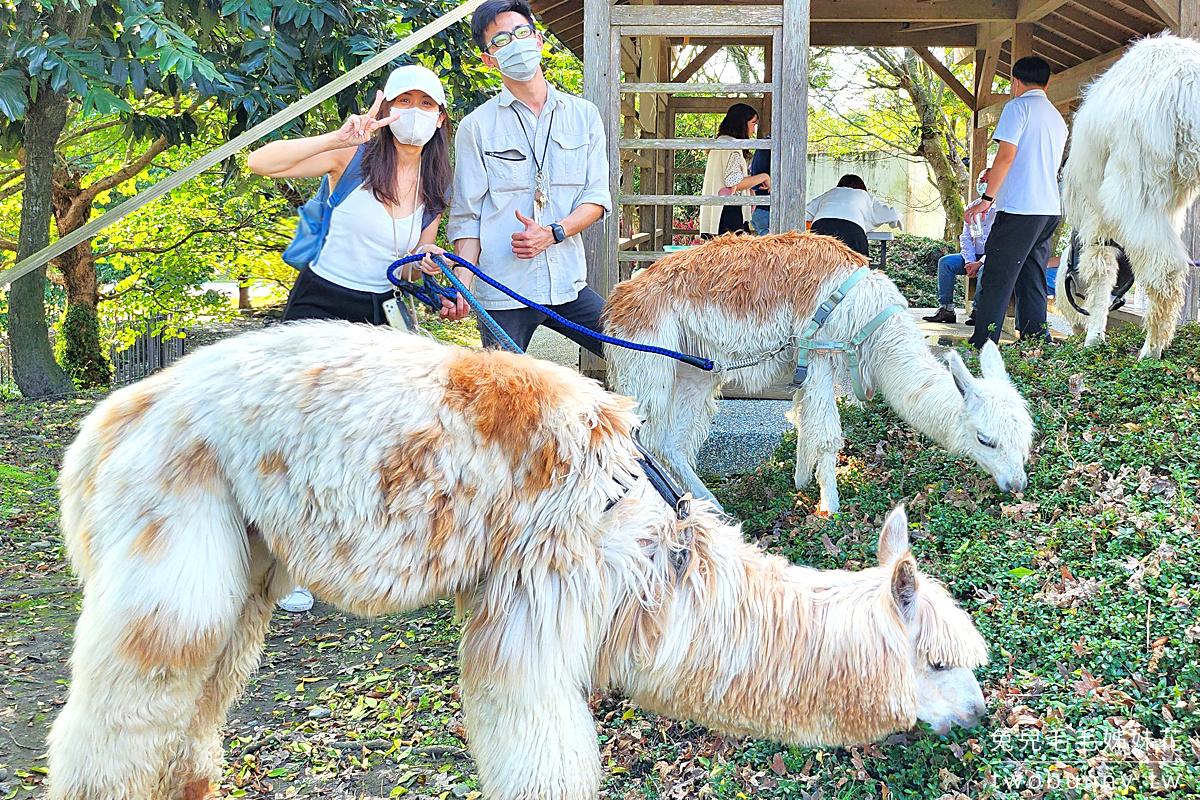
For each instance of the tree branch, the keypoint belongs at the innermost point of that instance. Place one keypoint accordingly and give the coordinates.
(83, 200)
(242, 224)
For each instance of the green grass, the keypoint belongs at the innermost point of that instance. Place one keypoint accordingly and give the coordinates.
(1085, 588)
(912, 264)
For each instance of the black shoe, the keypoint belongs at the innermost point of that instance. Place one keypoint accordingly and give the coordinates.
(942, 315)
(970, 321)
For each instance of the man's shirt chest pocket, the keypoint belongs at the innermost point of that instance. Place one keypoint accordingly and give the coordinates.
(508, 168)
(570, 158)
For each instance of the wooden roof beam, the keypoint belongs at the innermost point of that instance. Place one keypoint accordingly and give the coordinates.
(1033, 10)
(1164, 11)
(696, 64)
(889, 34)
(1073, 32)
(1101, 14)
(1053, 36)
(739, 16)
(1064, 86)
(948, 77)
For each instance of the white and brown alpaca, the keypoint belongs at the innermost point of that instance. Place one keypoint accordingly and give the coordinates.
(737, 297)
(385, 471)
(1132, 174)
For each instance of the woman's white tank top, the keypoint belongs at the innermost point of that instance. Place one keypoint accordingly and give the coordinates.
(362, 242)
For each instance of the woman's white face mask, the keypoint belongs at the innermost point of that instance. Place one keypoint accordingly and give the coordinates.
(415, 126)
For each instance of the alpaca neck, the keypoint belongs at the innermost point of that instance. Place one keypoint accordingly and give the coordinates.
(750, 645)
(918, 386)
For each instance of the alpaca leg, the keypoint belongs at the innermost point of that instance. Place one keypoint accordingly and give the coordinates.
(694, 404)
(151, 627)
(1164, 299)
(528, 723)
(234, 665)
(804, 460)
(1100, 266)
(822, 430)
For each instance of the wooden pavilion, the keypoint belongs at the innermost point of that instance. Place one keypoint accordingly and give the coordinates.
(632, 72)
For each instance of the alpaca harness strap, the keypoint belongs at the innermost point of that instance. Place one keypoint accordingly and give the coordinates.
(807, 344)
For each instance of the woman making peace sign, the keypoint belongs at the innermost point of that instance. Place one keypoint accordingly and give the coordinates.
(406, 175)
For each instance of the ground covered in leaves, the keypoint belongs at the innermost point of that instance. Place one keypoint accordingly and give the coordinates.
(1085, 587)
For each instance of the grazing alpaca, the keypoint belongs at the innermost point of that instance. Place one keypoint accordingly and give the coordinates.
(1132, 174)
(736, 297)
(385, 471)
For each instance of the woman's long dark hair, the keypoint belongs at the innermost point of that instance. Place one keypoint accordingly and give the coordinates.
(379, 165)
(851, 181)
(737, 121)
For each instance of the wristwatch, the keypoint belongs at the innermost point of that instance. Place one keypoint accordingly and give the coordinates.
(559, 234)
(986, 197)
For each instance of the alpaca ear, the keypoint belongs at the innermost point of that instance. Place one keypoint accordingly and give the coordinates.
(904, 587)
(893, 539)
(963, 379)
(991, 363)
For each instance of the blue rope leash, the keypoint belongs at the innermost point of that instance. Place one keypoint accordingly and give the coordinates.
(431, 293)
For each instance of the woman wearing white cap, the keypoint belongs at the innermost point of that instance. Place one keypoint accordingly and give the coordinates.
(405, 172)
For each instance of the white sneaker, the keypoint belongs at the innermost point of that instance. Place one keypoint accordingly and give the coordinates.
(299, 600)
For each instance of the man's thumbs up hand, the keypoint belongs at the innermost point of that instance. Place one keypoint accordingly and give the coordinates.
(531, 241)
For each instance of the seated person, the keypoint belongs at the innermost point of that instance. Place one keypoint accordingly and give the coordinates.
(969, 262)
(848, 211)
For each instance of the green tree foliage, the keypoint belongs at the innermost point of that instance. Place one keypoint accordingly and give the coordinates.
(156, 72)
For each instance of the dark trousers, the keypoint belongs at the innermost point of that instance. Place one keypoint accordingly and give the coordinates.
(313, 297)
(1018, 249)
(851, 233)
(520, 323)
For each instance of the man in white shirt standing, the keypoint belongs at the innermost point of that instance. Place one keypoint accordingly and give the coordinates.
(530, 174)
(1023, 185)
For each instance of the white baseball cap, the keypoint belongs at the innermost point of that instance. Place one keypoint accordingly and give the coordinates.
(414, 76)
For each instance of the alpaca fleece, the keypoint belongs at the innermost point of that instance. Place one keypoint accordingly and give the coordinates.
(385, 471)
(1132, 174)
(738, 297)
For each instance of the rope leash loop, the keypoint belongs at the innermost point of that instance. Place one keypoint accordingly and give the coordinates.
(422, 293)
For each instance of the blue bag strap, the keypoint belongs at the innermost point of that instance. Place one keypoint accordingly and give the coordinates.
(351, 178)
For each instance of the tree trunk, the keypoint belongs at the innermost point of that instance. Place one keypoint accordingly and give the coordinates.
(83, 356)
(933, 141)
(34, 367)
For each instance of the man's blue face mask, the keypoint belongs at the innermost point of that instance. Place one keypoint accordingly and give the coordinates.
(520, 58)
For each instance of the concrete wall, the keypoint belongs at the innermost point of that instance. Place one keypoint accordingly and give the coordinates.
(904, 184)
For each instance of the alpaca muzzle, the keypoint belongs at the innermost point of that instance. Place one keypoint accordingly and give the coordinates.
(1012, 485)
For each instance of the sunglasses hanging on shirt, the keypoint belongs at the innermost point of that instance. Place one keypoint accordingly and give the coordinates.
(541, 188)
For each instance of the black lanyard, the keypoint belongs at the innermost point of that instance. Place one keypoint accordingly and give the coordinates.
(532, 144)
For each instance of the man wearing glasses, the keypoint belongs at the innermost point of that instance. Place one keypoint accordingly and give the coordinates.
(531, 173)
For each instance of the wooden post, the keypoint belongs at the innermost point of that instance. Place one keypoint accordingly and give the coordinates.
(601, 74)
(1022, 41)
(789, 155)
(1189, 26)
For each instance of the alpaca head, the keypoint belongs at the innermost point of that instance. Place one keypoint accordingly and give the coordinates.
(945, 647)
(999, 430)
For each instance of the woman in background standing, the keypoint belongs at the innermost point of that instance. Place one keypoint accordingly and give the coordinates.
(727, 170)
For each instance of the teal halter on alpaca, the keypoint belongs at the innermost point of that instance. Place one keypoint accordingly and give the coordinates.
(806, 344)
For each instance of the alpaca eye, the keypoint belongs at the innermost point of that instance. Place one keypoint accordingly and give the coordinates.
(938, 666)
(983, 440)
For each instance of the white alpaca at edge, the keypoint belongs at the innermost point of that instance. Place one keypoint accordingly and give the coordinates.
(1132, 173)
(736, 297)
